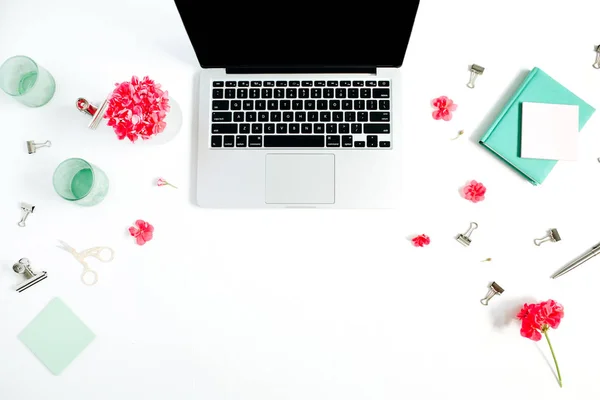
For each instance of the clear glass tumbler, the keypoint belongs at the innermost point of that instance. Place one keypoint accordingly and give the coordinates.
(79, 181)
(26, 81)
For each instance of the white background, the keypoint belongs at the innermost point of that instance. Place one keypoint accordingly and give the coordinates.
(302, 304)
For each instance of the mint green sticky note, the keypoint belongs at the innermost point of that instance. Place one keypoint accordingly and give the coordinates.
(56, 336)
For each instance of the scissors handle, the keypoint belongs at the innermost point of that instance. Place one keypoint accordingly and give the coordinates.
(100, 253)
(94, 277)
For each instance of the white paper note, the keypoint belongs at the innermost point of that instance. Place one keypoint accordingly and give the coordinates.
(549, 131)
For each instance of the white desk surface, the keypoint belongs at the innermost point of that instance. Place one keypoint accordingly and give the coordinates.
(302, 304)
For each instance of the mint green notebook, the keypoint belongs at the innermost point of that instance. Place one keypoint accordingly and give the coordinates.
(503, 138)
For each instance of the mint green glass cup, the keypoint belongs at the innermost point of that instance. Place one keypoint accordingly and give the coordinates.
(26, 81)
(79, 181)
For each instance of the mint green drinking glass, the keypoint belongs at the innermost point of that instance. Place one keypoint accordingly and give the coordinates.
(79, 181)
(26, 81)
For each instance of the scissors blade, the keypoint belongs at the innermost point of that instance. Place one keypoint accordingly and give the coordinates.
(66, 247)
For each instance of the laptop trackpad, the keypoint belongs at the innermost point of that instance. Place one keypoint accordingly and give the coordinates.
(300, 179)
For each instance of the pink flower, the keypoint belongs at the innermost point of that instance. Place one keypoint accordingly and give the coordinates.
(137, 108)
(443, 108)
(421, 240)
(474, 191)
(163, 182)
(142, 231)
(536, 319)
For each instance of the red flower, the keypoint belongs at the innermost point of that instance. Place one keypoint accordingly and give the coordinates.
(421, 240)
(474, 191)
(537, 319)
(136, 109)
(142, 231)
(444, 107)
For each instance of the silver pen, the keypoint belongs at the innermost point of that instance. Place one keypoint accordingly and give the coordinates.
(594, 251)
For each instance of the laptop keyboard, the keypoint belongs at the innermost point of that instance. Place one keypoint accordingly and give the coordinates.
(301, 114)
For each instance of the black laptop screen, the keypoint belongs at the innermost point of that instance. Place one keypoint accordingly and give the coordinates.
(297, 34)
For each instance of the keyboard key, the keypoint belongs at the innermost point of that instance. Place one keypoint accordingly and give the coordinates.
(377, 128)
(240, 141)
(230, 84)
(334, 104)
(279, 93)
(381, 93)
(238, 116)
(353, 93)
(236, 104)
(294, 141)
(245, 128)
(383, 83)
(269, 83)
(248, 104)
(263, 116)
(333, 141)
(228, 140)
(269, 128)
(251, 116)
(255, 141)
(331, 128)
(377, 116)
(325, 116)
(384, 143)
(319, 128)
(303, 93)
(358, 83)
(350, 116)
(346, 104)
(281, 83)
(242, 93)
(294, 83)
(307, 83)
(362, 116)
(243, 84)
(359, 104)
(315, 93)
(266, 93)
(297, 104)
(359, 143)
(224, 128)
(217, 83)
(372, 141)
(256, 84)
(291, 93)
(346, 141)
(300, 116)
(217, 93)
(272, 104)
(344, 128)
(257, 128)
(371, 104)
(313, 116)
(260, 104)
(288, 116)
(284, 105)
(356, 128)
(345, 83)
(332, 83)
(230, 93)
(365, 93)
(328, 93)
(221, 116)
(337, 116)
(340, 93)
(294, 128)
(321, 104)
(309, 104)
(220, 105)
(371, 83)
(282, 128)
(384, 104)
(306, 128)
(320, 83)
(216, 141)
(276, 116)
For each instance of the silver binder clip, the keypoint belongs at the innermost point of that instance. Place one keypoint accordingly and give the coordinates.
(26, 209)
(23, 266)
(596, 64)
(552, 236)
(476, 70)
(495, 289)
(465, 238)
(96, 112)
(32, 146)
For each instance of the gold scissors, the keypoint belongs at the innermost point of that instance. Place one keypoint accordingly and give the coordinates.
(103, 254)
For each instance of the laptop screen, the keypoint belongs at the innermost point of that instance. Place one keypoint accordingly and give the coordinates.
(288, 34)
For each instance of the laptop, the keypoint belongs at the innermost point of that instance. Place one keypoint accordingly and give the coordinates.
(298, 104)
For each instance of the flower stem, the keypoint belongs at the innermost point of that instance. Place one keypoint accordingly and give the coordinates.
(172, 185)
(554, 357)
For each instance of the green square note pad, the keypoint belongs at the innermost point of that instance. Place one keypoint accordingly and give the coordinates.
(56, 336)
